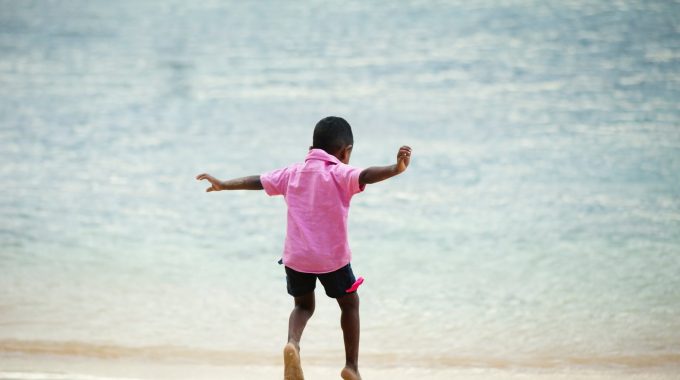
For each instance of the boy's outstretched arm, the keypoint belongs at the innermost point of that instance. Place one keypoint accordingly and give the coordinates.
(380, 173)
(243, 183)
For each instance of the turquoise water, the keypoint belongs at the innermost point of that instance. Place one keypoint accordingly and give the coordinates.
(538, 224)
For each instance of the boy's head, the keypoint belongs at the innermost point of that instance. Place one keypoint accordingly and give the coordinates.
(334, 135)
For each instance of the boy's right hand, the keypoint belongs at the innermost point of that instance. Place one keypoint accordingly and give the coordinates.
(403, 158)
(214, 182)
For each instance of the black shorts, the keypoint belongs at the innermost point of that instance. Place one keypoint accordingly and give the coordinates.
(335, 283)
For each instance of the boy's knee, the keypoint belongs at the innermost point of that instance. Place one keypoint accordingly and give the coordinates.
(307, 308)
(305, 303)
(349, 302)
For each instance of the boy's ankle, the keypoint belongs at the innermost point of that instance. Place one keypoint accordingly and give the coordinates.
(295, 344)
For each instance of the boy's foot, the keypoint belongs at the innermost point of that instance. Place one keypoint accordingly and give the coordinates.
(291, 361)
(349, 374)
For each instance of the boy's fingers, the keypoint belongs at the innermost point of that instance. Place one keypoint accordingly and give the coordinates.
(404, 151)
(404, 157)
(209, 189)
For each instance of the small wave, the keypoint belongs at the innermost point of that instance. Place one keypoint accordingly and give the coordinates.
(387, 359)
(110, 351)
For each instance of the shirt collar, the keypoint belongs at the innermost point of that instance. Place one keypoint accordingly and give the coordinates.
(321, 155)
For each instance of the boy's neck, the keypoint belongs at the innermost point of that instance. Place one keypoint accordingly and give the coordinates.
(343, 154)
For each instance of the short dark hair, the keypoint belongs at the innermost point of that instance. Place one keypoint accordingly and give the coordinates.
(331, 134)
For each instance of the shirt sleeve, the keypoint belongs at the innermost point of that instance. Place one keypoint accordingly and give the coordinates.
(348, 176)
(275, 182)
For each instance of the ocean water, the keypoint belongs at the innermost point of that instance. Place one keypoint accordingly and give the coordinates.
(538, 225)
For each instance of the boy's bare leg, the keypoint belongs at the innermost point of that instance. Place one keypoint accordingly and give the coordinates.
(349, 321)
(303, 310)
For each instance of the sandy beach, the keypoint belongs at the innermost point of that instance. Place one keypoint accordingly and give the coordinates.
(15, 367)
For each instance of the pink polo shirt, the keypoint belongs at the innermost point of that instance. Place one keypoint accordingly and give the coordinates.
(317, 193)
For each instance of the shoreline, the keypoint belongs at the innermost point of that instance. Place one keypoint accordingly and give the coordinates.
(76, 350)
(19, 366)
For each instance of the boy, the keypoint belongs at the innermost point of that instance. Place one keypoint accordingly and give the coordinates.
(318, 193)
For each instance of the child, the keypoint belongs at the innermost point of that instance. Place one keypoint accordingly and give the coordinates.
(318, 193)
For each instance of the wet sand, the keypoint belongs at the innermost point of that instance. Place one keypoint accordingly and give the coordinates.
(18, 367)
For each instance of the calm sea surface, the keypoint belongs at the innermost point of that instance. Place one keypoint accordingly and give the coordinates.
(538, 224)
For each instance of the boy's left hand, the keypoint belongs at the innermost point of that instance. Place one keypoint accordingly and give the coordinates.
(403, 158)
